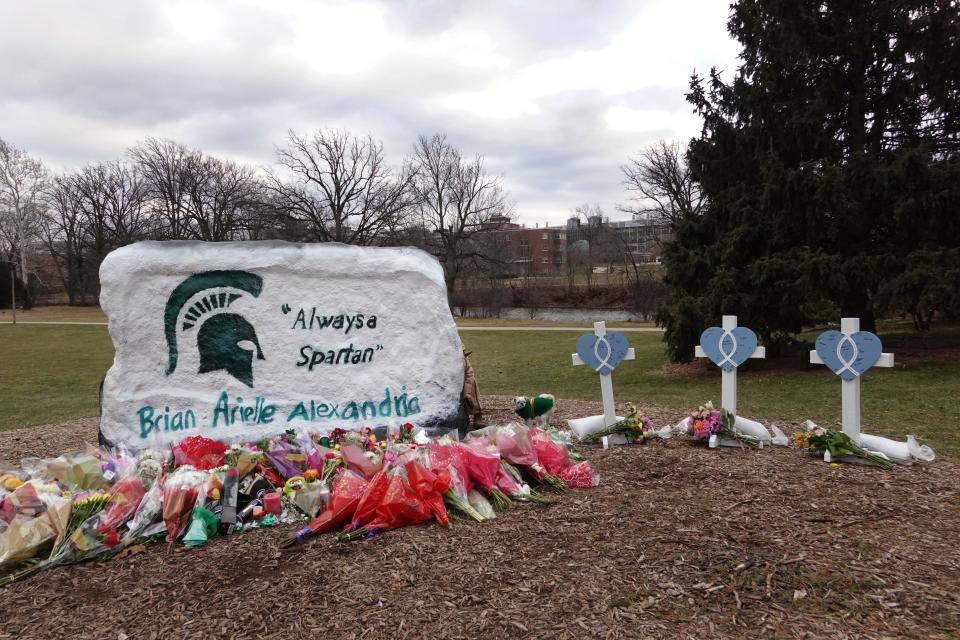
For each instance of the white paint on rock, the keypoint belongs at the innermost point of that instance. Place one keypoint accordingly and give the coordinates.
(406, 365)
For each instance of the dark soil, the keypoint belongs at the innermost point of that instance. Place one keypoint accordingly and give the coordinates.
(677, 542)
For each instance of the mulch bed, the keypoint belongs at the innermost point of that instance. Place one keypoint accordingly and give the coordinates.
(678, 541)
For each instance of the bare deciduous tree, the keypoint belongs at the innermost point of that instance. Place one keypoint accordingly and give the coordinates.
(166, 167)
(341, 186)
(220, 196)
(63, 235)
(590, 241)
(455, 197)
(22, 183)
(661, 184)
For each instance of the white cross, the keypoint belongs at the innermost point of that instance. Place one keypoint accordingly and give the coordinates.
(728, 380)
(606, 384)
(850, 389)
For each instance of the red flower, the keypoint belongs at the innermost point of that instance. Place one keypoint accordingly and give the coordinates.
(408, 426)
(329, 455)
(111, 539)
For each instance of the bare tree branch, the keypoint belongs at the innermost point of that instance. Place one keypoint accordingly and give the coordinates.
(661, 184)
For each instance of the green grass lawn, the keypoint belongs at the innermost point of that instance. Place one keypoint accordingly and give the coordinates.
(51, 373)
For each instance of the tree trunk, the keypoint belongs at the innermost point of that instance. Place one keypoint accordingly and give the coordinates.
(857, 305)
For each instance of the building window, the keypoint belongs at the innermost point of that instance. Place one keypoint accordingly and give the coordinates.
(559, 235)
(546, 260)
(546, 247)
(524, 242)
(545, 235)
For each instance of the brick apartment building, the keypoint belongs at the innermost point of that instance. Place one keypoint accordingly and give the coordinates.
(536, 251)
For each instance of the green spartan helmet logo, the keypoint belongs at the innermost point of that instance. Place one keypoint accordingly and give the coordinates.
(220, 334)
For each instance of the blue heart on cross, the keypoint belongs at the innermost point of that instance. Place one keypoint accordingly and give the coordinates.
(728, 349)
(602, 353)
(849, 355)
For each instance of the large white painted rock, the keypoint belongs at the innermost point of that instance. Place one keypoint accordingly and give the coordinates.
(240, 341)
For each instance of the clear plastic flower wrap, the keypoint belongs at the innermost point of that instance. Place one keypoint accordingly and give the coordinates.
(482, 506)
(180, 491)
(125, 498)
(23, 537)
(348, 487)
(363, 462)
(553, 456)
(515, 446)
(149, 511)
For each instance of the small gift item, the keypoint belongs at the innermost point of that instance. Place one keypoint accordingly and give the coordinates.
(203, 526)
(271, 503)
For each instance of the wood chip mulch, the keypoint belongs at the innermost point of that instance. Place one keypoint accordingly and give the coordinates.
(677, 542)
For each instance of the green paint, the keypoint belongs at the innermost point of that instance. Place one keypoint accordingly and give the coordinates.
(219, 344)
(341, 322)
(229, 414)
(401, 406)
(313, 356)
(241, 280)
(150, 420)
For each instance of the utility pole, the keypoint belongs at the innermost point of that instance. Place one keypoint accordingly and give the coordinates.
(13, 293)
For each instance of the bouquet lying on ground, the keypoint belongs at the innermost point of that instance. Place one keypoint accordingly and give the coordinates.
(707, 421)
(635, 428)
(79, 507)
(817, 440)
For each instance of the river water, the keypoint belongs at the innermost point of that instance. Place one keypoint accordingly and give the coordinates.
(560, 315)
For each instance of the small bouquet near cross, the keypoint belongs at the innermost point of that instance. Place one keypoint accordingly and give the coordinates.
(728, 347)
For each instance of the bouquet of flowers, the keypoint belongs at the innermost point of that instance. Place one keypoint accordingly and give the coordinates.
(147, 513)
(369, 501)
(199, 452)
(27, 523)
(580, 476)
(348, 488)
(510, 481)
(707, 421)
(405, 434)
(79, 538)
(180, 491)
(430, 488)
(817, 440)
(286, 454)
(553, 458)
(441, 458)
(635, 428)
(365, 462)
(482, 463)
(125, 497)
(400, 507)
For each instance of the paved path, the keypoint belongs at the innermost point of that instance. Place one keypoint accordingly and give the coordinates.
(93, 324)
(463, 328)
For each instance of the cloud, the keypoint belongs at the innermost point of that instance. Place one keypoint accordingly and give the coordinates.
(555, 95)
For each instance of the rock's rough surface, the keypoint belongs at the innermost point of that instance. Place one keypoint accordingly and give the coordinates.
(241, 341)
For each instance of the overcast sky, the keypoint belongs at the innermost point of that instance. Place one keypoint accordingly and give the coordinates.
(554, 93)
